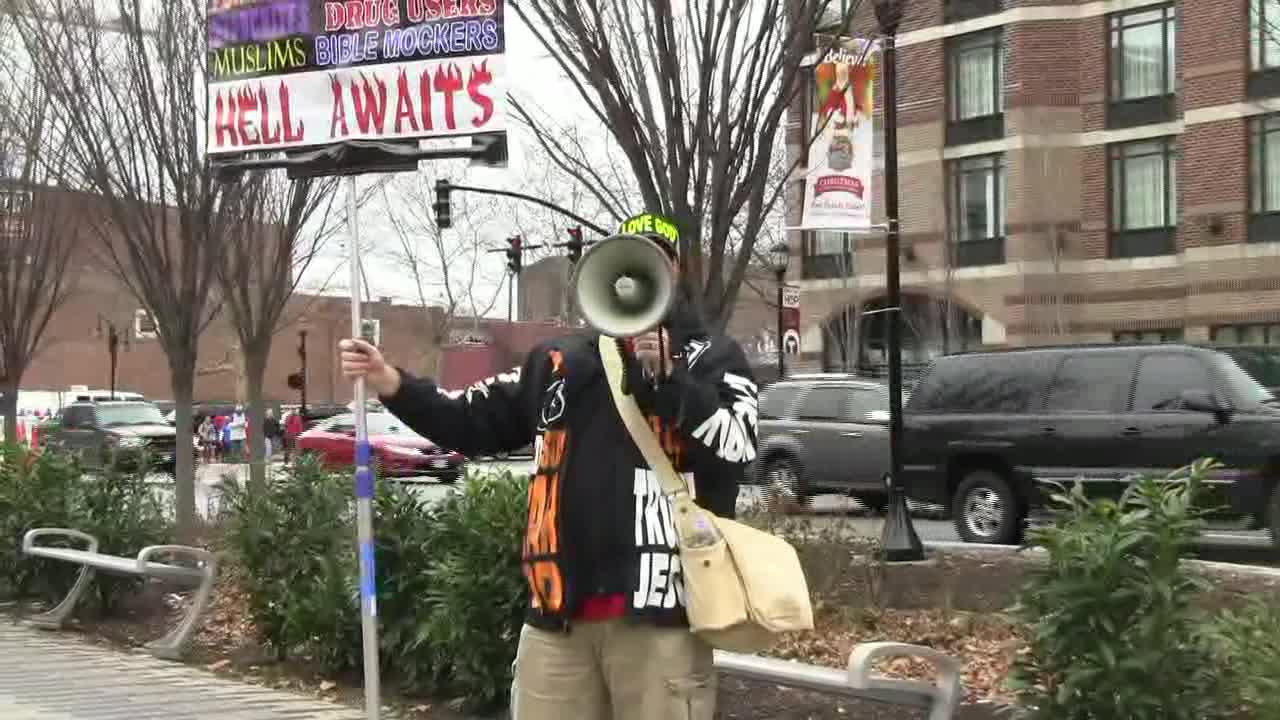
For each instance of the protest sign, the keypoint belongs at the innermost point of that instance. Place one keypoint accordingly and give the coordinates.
(298, 73)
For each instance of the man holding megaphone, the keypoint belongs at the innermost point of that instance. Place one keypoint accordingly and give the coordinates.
(607, 635)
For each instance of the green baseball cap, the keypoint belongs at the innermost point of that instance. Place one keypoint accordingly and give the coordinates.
(656, 226)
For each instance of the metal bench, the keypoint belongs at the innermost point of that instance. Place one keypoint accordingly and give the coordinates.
(173, 645)
(941, 697)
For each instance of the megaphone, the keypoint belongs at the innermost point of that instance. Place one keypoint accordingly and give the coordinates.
(624, 285)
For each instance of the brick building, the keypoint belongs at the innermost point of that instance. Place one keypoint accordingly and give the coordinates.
(74, 347)
(1070, 171)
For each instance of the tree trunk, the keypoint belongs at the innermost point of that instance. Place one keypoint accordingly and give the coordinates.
(184, 480)
(9, 406)
(255, 369)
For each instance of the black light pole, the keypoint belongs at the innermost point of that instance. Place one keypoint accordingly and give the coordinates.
(302, 387)
(780, 256)
(899, 540)
(113, 349)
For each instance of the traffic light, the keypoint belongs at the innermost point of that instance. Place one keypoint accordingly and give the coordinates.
(514, 254)
(444, 210)
(575, 244)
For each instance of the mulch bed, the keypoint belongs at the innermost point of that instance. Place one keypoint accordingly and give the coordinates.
(953, 602)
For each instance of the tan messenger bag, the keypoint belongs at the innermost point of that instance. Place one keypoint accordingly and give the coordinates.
(743, 586)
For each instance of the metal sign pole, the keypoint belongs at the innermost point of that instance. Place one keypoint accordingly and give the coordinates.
(364, 483)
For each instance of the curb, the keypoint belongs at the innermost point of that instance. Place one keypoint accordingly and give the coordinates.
(1210, 565)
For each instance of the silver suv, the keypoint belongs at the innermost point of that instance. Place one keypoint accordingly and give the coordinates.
(824, 433)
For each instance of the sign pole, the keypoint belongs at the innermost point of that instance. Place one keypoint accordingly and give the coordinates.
(364, 482)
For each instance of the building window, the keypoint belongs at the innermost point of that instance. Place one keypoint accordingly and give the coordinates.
(144, 325)
(1264, 179)
(1149, 337)
(1143, 54)
(977, 76)
(978, 210)
(1144, 197)
(825, 255)
(975, 69)
(1252, 334)
(371, 330)
(1264, 34)
(1143, 67)
(957, 10)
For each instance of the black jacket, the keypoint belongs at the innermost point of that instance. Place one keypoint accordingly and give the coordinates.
(598, 520)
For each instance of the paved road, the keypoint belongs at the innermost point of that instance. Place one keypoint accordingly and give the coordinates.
(1224, 545)
(44, 676)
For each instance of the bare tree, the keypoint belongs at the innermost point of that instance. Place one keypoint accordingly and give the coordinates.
(447, 267)
(695, 95)
(38, 231)
(123, 83)
(265, 257)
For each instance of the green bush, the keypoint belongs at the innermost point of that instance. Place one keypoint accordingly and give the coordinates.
(297, 564)
(451, 597)
(49, 489)
(1112, 626)
(1248, 645)
(476, 592)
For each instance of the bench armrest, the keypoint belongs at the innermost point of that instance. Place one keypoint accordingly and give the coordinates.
(945, 690)
(198, 554)
(29, 539)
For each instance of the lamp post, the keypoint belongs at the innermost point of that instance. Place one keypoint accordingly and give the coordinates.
(780, 258)
(112, 334)
(303, 326)
(899, 541)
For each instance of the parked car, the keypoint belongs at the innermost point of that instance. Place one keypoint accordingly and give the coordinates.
(123, 430)
(396, 449)
(988, 433)
(824, 434)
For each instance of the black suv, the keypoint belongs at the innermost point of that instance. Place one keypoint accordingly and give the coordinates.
(986, 432)
(123, 430)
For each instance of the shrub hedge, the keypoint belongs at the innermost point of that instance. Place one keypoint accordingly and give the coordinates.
(124, 510)
(451, 598)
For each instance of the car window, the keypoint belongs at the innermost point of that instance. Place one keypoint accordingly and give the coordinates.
(1247, 392)
(1163, 376)
(823, 403)
(1091, 382)
(122, 415)
(76, 417)
(864, 404)
(988, 383)
(777, 400)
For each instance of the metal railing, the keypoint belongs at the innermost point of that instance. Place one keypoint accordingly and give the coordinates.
(940, 697)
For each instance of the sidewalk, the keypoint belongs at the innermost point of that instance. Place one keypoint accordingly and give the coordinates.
(46, 676)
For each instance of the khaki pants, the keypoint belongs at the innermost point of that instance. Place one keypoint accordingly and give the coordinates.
(613, 670)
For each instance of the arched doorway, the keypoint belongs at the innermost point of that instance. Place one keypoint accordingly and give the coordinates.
(854, 340)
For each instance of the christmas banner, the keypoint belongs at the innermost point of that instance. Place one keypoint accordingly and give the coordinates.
(837, 187)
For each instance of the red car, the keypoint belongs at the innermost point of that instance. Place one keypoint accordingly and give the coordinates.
(397, 450)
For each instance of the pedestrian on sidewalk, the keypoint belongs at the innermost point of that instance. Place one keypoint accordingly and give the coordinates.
(606, 636)
(292, 429)
(208, 438)
(239, 428)
(270, 433)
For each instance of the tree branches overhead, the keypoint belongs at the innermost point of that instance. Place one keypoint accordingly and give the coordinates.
(695, 94)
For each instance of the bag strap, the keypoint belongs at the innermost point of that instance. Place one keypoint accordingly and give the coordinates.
(641, 432)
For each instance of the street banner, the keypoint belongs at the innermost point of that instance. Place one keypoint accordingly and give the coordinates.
(298, 73)
(790, 320)
(837, 182)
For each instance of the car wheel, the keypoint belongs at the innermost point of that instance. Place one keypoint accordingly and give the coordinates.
(785, 488)
(986, 510)
(1273, 523)
(875, 503)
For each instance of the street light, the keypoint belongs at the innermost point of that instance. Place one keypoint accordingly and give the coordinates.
(899, 541)
(112, 334)
(780, 258)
